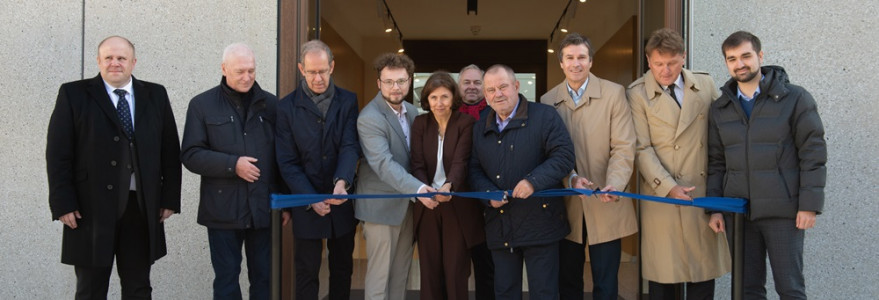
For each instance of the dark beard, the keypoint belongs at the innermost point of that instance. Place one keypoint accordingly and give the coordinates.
(392, 102)
(750, 76)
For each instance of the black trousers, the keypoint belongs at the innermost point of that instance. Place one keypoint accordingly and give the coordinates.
(307, 260)
(132, 251)
(703, 290)
(543, 270)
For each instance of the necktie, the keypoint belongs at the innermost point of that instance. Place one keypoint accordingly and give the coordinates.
(671, 91)
(124, 113)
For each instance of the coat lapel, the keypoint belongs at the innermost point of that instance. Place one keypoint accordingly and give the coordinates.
(98, 93)
(391, 118)
(141, 101)
(692, 105)
(662, 103)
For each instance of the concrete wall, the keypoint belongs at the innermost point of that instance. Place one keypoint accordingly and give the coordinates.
(179, 44)
(828, 47)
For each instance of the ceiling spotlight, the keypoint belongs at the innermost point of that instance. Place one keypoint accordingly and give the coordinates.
(401, 50)
(550, 50)
(389, 29)
(582, 1)
(565, 30)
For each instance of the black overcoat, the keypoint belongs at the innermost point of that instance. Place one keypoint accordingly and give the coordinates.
(85, 142)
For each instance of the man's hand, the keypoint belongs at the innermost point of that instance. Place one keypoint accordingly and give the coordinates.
(523, 189)
(69, 219)
(285, 218)
(427, 201)
(805, 219)
(681, 192)
(579, 182)
(321, 208)
(447, 187)
(339, 189)
(246, 169)
(716, 223)
(166, 213)
(608, 197)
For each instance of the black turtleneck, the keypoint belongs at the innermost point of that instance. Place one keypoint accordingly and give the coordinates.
(241, 101)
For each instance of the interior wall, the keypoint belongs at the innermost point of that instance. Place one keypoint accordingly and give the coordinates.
(348, 70)
(595, 20)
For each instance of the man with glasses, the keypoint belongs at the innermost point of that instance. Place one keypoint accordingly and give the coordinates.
(383, 128)
(317, 152)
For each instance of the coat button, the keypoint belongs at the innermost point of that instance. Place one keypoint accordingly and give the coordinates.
(499, 142)
(677, 147)
(498, 177)
(116, 138)
(128, 166)
(506, 244)
(502, 211)
(325, 157)
(544, 205)
(113, 163)
(110, 187)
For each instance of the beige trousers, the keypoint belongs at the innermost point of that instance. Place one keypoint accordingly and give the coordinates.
(389, 256)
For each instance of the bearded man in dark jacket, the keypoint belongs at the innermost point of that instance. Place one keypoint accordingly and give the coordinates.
(229, 140)
(766, 144)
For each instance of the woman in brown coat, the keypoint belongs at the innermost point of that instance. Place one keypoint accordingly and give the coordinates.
(446, 229)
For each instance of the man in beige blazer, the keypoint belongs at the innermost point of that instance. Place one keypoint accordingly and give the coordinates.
(670, 110)
(598, 117)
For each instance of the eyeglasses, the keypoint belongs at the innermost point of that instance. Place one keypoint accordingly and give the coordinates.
(322, 73)
(390, 83)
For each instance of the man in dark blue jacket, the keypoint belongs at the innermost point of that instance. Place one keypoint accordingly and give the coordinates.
(318, 149)
(229, 141)
(521, 146)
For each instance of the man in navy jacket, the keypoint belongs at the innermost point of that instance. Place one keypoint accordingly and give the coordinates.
(521, 146)
(228, 140)
(318, 149)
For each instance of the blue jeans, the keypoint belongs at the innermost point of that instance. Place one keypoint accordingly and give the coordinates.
(226, 260)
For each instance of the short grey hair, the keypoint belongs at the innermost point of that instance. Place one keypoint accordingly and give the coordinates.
(236, 48)
(502, 67)
(471, 67)
(312, 46)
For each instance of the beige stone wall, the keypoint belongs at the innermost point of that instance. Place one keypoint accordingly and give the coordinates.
(828, 47)
(179, 44)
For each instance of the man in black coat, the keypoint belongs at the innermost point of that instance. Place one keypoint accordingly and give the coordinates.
(524, 147)
(229, 141)
(317, 152)
(112, 157)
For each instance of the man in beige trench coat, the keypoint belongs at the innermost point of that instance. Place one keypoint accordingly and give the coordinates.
(598, 117)
(677, 246)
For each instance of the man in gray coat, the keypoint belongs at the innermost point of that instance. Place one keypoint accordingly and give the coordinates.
(766, 144)
(383, 128)
(229, 140)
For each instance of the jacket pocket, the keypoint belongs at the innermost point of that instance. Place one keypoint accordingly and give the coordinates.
(221, 130)
(219, 203)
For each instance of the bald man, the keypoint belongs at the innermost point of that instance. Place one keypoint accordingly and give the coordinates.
(112, 157)
(229, 140)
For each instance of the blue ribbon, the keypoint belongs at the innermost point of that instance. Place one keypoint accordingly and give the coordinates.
(734, 205)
